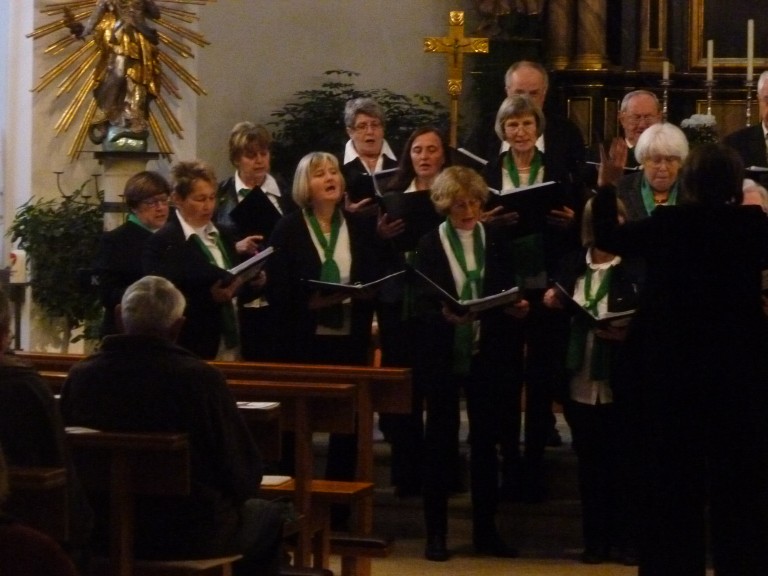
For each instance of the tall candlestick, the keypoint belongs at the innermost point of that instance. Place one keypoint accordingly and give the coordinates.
(750, 48)
(665, 70)
(710, 55)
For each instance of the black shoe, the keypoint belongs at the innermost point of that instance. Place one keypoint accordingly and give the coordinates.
(493, 545)
(436, 550)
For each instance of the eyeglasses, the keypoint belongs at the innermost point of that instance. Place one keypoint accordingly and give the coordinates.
(635, 119)
(155, 202)
(657, 161)
(364, 126)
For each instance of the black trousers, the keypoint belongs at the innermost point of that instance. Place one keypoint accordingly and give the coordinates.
(442, 396)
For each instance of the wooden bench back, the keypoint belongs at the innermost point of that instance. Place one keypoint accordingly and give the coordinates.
(38, 497)
(127, 465)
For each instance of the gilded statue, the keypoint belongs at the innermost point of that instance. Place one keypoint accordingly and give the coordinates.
(123, 54)
(127, 71)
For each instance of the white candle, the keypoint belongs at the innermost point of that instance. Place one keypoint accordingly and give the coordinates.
(665, 70)
(750, 48)
(710, 55)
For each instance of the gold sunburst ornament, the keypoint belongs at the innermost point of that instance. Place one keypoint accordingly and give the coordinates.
(118, 52)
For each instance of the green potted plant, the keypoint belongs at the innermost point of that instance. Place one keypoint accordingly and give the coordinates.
(61, 238)
(315, 120)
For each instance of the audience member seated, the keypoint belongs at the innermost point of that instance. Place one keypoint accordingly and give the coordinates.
(118, 263)
(32, 432)
(141, 381)
(24, 551)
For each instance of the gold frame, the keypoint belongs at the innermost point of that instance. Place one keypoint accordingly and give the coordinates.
(697, 57)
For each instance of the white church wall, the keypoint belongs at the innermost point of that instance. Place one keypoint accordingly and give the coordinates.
(264, 52)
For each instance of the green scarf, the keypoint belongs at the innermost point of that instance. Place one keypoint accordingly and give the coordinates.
(647, 194)
(464, 334)
(332, 316)
(135, 219)
(228, 317)
(514, 174)
(600, 366)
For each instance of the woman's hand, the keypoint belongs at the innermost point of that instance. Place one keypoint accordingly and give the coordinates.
(561, 218)
(551, 299)
(387, 228)
(353, 207)
(259, 281)
(519, 309)
(249, 245)
(612, 162)
(222, 293)
(499, 216)
(454, 318)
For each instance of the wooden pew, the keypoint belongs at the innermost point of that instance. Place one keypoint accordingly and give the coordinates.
(126, 466)
(306, 408)
(377, 390)
(38, 497)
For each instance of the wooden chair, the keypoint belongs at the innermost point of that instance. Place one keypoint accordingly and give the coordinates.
(126, 466)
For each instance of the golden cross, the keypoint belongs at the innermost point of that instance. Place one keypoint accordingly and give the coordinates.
(454, 46)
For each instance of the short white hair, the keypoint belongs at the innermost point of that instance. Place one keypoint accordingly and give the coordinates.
(664, 139)
(151, 306)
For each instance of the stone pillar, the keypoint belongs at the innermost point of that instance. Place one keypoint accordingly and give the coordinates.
(560, 27)
(590, 36)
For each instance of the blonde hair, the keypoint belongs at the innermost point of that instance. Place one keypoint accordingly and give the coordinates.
(457, 182)
(304, 169)
(248, 138)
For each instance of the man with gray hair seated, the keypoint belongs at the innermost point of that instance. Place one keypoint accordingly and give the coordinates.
(141, 381)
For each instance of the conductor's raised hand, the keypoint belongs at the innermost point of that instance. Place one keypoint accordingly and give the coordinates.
(612, 162)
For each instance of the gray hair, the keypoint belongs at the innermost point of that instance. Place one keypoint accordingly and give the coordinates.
(527, 64)
(630, 95)
(515, 106)
(665, 139)
(367, 106)
(304, 169)
(151, 306)
(762, 80)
